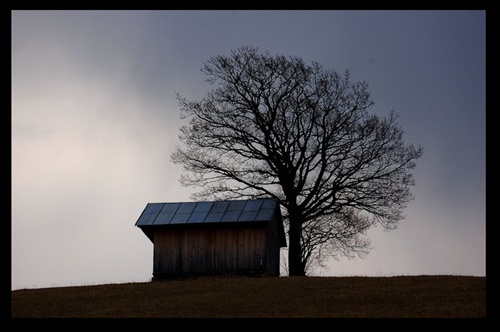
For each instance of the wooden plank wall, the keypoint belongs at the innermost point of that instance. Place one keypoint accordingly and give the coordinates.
(231, 248)
(273, 250)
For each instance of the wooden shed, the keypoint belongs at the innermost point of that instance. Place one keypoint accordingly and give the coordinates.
(217, 237)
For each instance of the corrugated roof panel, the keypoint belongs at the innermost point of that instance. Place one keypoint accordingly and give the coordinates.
(164, 218)
(269, 204)
(146, 219)
(153, 208)
(180, 218)
(170, 207)
(253, 205)
(247, 216)
(214, 217)
(231, 215)
(219, 206)
(265, 215)
(203, 206)
(197, 217)
(236, 206)
(186, 207)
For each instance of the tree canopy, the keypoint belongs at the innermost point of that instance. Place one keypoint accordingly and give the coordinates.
(274, 126)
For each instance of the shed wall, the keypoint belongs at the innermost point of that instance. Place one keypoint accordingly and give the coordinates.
(212, 250)
(273, 250)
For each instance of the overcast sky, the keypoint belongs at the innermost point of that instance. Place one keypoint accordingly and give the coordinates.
(94, 120)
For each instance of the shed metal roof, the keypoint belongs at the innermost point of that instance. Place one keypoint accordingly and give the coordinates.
(209, 212)
(216, 212)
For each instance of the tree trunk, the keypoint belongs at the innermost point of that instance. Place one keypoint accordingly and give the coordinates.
(295, 264)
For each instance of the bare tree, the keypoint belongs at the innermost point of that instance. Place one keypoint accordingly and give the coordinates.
(273, 126)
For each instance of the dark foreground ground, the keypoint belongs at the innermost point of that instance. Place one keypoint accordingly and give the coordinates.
(262, 297)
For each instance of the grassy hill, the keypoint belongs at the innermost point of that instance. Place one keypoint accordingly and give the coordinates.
(262, 297)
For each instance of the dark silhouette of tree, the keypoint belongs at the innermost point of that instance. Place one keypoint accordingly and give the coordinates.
(273, 126)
